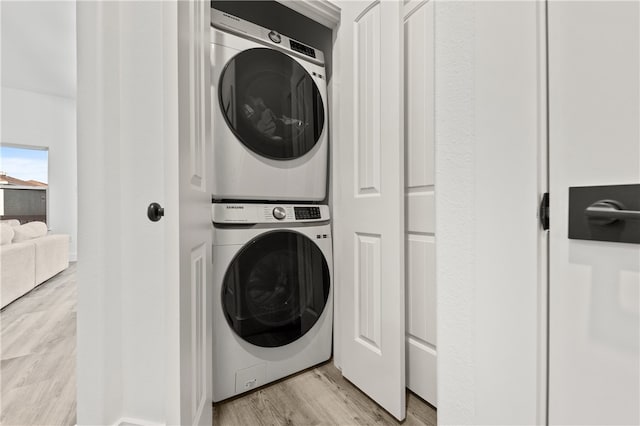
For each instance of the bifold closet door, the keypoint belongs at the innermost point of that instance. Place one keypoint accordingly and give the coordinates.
(420, 236)
(195, 230)
(369, 202)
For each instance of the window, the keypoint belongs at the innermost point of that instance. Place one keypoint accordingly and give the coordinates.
(24, 183)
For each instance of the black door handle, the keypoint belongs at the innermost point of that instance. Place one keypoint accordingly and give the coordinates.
(605, 212)
(155, 212)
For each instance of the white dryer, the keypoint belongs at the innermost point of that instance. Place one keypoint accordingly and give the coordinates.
(273, 307)
(269, 114)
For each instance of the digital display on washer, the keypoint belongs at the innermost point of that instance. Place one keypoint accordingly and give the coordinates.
(305, 213)
(299, 47)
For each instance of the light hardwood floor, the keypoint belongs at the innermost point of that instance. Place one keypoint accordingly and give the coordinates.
(38, 380)
(319, 396)
(38, 355)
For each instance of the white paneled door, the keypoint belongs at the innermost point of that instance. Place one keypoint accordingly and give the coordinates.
(369, 210)
(195, 214)
(144, 325)
(419, 197)
(594, 290)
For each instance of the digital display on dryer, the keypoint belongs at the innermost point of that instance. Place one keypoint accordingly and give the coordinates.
(299, 47)
(306, 213)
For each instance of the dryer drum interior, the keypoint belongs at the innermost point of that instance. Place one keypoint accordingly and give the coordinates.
(271, 103)
(275, 289)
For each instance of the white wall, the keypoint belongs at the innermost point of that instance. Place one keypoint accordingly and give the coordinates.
(39, 46)
(488, 131)
(39, 119)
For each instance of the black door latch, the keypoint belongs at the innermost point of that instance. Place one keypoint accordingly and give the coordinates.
(544, 211)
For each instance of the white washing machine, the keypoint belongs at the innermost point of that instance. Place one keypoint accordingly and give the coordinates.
(270, 130)
(273, 307)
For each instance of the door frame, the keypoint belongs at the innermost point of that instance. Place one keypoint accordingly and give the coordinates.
(543, 235)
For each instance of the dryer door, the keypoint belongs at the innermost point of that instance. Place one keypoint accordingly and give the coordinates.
(271, 103)
(275, 288)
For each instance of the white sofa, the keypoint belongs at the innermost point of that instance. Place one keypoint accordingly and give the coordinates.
(28, 257)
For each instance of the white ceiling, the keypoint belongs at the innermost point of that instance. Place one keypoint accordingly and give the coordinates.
(39, 46)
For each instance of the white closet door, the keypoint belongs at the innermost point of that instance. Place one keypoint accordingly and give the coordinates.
(594, 286)
(195, 163)
(369, 211)
(419, 195)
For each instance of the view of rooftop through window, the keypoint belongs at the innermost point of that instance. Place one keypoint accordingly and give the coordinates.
(24, 166)
(23, 183)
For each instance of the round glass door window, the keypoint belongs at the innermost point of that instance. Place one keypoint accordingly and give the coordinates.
(271, 104)
(275, 288)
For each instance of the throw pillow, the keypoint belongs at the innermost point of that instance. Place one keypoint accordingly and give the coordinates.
(11, 222)
(29, 231)
(6, 232)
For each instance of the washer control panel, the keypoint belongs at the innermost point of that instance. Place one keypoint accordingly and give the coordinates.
(279, 213)
(227, 213)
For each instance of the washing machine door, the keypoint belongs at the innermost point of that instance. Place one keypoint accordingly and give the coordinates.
(275, 289)
(271, 103)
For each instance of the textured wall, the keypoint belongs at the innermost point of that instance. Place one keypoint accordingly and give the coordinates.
(455, 256)
(487, 136)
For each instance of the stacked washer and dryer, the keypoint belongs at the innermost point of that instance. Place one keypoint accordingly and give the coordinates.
(272, 254)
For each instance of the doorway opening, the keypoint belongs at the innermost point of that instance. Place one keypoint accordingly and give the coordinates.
(38, 213)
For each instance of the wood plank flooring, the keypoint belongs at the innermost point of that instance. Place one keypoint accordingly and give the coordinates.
(38, 355)
(319, 396)
(38, 384)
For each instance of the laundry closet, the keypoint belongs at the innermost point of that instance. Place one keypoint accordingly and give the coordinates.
(379, 288)
(146, 302)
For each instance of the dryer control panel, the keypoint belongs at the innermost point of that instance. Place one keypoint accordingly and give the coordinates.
(229, 213)
(227, 22)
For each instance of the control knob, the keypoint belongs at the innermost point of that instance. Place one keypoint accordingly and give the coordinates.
(279, 213)
(275, 37)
